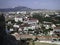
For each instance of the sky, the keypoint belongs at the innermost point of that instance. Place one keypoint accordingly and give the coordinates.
(34, 4)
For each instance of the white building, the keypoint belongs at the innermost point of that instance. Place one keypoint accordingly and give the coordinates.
(11, 29)
(56, 31)
(22, 12)
(31, 21)
(47, 15)
(37, 11)
(16, 26)
(28, 26)
(11, 12)
(53, 26)
(18, 19)
(47, 27)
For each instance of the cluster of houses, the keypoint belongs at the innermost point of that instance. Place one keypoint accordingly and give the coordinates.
(27, 25)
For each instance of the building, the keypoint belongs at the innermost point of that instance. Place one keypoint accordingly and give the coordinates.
(56, 31)
(17, 18)
(31, 21)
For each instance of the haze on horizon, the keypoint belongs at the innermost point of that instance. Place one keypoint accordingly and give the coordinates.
(34, 4)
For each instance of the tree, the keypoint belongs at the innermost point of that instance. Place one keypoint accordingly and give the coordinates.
(19, 22)
(5, 39)
(29, 30)
(12, 21)
(38, 16)
(47, 30)
(2, 29)
(48, 19)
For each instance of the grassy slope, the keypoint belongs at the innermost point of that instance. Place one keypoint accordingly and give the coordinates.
(38, 43)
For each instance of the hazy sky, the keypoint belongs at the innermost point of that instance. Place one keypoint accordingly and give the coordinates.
(36, 4)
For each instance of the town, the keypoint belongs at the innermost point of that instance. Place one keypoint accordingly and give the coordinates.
(36, 25)
(29, 22)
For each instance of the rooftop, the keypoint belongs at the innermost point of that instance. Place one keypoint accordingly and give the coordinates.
(57, 27)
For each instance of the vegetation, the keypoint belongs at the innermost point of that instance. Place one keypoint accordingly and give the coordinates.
(19, 22)
(38, 43)
(12, 21)
(48, 19)
(41, 18)
(38, 16)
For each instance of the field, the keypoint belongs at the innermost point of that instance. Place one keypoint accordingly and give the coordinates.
(39, 43)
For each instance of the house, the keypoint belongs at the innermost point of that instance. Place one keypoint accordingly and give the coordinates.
(12, 13)
(31, 21)
(51, 33)
(11, 29)
(22, 12)
(9, 22)
(53, 26)
(16, 35)
(17, 18)
(16, 26)
(25, 26)
(47, 25)
(56, 31)
(47, 15)
(35, 11)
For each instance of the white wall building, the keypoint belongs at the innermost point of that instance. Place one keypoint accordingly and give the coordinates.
(56, 30)
(18, 19)
(17, 26)
(31, 21)
(22, 12)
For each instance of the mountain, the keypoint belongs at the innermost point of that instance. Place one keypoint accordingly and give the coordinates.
(19, 8)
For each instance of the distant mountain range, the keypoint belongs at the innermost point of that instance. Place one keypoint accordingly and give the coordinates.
(19, 8)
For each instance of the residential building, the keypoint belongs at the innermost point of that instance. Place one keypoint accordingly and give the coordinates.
(31, 21)
(18, 19)
(56, 31)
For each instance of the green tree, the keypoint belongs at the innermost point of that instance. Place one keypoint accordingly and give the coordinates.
(47, 19)
(19, 22)
(29, 30)
(38, 16)
(12, 21)
(47, 30)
